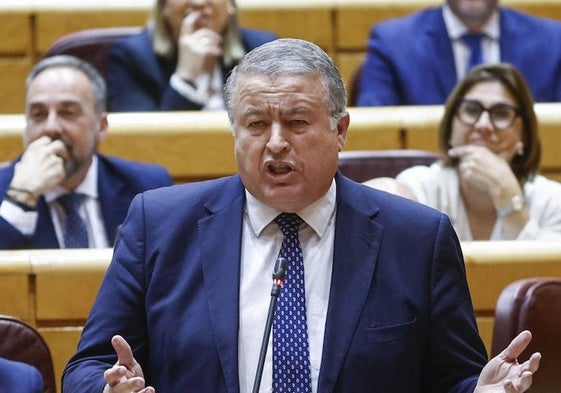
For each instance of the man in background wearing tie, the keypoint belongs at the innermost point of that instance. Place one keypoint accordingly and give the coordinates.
(417, 59)
(60, 193)
(375, 296)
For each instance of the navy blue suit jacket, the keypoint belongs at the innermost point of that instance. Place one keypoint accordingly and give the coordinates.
(138, 80)
(410, 60)
(118, 182)
(399, 319)
(17, 377)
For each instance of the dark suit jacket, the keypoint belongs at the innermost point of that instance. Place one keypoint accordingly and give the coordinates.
(118, 182)
(410, 60)
(138, 80)
(16, 377)
(400, 318)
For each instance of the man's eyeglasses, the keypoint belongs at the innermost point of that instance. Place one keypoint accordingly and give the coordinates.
(501, 115)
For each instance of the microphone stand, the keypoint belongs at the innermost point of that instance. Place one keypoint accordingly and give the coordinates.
(278, 280)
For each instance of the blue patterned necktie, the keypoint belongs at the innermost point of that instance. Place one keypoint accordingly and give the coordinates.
(473, 41)
(291, 351)
(74, 228)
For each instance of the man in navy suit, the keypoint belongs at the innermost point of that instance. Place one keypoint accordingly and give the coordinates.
(184, 301)
(65, 122)
(417, 59)
(181, 60)
(19, 377)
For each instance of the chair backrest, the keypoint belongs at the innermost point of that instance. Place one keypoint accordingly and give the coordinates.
(533, 304)
(362, 165)
(91, 45)
(22, 342)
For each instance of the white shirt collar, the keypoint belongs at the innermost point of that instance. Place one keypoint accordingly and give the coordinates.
(456, 28)
(316, 215)
(87, 187)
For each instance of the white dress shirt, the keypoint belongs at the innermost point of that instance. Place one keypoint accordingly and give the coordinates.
(438, 186)
(261, 243)
(490, 48)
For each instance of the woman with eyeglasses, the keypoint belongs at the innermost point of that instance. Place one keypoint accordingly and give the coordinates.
(487, 180)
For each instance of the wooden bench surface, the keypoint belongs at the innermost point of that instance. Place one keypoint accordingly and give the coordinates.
(199, 145)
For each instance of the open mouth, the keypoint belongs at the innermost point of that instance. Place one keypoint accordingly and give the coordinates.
(279, 169)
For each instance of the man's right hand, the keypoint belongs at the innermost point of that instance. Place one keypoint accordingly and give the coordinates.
(41, 167)
(126, 375)
(198, 49)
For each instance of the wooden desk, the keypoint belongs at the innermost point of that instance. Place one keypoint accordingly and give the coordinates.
(199, 145)
(491, 266)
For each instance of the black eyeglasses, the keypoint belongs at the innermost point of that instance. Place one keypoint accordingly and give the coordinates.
(501, 115)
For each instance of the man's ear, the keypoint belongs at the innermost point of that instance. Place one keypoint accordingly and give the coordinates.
(342, 128)
(102, 128)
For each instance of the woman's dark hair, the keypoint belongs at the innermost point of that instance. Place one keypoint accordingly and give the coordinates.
(525, 165)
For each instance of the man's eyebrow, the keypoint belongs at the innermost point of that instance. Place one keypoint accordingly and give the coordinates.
(298, 110)
(60, 105)
(253, 111)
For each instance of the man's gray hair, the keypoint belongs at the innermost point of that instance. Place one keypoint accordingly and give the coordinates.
(289, 56)
(99, 88)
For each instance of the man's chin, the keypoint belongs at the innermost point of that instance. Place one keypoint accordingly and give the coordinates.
(70, 169)
(285, 198)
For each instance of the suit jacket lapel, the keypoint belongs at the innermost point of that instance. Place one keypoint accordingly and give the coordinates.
(509, 36)
(112, 199)
(220, 257)
(439, 53)
(357, 243)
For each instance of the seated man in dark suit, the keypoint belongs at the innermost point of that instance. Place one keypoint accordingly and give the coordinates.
(418, 59)
(60, 193)
(17, 377)
(181, 60)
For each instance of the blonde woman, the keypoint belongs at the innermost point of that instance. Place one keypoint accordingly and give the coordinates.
(179, 62)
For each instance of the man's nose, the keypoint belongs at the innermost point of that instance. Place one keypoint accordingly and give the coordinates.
(277, 141)
(53, 126)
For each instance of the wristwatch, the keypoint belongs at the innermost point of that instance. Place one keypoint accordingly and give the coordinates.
(516, 204)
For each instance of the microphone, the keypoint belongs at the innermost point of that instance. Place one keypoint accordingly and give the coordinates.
(278, 280)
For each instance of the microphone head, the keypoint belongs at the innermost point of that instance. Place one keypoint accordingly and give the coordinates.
(280, 268)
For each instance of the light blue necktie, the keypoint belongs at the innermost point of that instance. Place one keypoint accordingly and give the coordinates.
(291, 351)
(473, 41)
(74, 228)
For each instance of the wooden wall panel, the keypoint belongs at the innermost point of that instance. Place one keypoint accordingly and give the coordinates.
(348, 62)
(354, 18)
(51, 25)
(311, 23)
(192, 145)
(62, 342)
(15, 30)
(13, 71)
(57, 275)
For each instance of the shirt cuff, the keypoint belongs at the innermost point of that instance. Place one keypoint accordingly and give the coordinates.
(187, 90)
(23, 221)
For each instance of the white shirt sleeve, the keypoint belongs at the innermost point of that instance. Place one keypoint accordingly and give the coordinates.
(23, 221)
